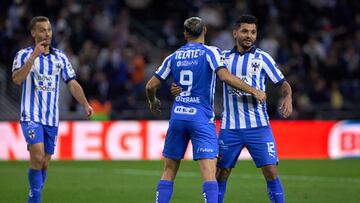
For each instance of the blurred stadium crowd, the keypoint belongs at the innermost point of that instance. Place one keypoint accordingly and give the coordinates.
(116, 45)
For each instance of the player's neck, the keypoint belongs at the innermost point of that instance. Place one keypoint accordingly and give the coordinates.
(47, 50)
(197, 40)
(241, 49)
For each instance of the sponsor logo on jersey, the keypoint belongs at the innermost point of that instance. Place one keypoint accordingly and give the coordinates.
(187, 63)
(185, 110)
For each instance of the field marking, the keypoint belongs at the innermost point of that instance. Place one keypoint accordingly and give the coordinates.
(187, 174)
(245, 176)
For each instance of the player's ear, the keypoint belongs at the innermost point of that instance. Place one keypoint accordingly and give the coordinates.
(186, 35)
(32, 31)
(234, 33)
(205, 30)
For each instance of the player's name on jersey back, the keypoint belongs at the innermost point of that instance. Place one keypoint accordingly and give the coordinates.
(188, 99)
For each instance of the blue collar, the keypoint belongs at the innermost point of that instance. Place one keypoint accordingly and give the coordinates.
(234, 49)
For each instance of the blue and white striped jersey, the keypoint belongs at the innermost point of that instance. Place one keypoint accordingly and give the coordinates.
(241, 110)
(40, 89)
(193, 67)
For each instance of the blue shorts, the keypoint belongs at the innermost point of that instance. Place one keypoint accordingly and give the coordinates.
(202, 136)
(259, 141)
(38, 133)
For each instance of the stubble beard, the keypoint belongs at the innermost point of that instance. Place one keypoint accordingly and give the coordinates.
(245, 46)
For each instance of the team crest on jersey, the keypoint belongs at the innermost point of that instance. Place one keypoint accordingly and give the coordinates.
(32, 134)
(222, 59)
(255, 64)
(58, 66)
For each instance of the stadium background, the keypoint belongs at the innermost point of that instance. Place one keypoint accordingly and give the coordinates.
(115, 46)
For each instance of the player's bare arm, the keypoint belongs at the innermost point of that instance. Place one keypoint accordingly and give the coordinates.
(78, 93)
(20, 74)
(286, 100)
(151, 88)
(237, 83)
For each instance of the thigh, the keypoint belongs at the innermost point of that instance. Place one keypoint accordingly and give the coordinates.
(231, 142)
(33, 132)
(204, 140)
(176, 140)
(50, 135)
(261, 145)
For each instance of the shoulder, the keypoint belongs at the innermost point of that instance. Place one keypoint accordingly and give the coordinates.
(227, 53)
(213, 49)
(59, 52)
(168, 57)
(25, 50)
(264, 54)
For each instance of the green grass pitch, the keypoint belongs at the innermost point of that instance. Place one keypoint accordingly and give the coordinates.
(322, 181)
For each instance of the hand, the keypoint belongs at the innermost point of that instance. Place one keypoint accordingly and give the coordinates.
(286, 107)
(39, 48)
(89, 111)
(260, 96)
(155, 107)
(175, 90)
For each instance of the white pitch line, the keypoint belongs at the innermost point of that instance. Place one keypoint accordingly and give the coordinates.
(245, 176)
(187, 174)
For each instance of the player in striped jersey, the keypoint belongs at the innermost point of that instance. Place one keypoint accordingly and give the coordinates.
(194, 68)
(38, 70)
(245, 122)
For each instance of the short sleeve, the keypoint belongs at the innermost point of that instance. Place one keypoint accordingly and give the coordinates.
(164, 70)
(20, 59)
(215, 57)
(271, 69)
(68, 72)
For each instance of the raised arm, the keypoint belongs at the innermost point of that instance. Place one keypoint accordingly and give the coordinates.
(19, 75)
(237, 83)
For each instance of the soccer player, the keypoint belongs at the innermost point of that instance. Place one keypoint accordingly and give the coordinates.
(38, 70)
(194, 68)
(245, 122)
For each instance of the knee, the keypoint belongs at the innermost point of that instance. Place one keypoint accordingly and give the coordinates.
(47, 159)
(37, 160)
(270, 172)
(271, 177)
(170, 170)
(45, 164)
(222, 174)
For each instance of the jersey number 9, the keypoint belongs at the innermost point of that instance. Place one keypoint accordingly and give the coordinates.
(186, 79)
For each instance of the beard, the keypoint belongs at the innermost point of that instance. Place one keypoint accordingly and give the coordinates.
(245, 44)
